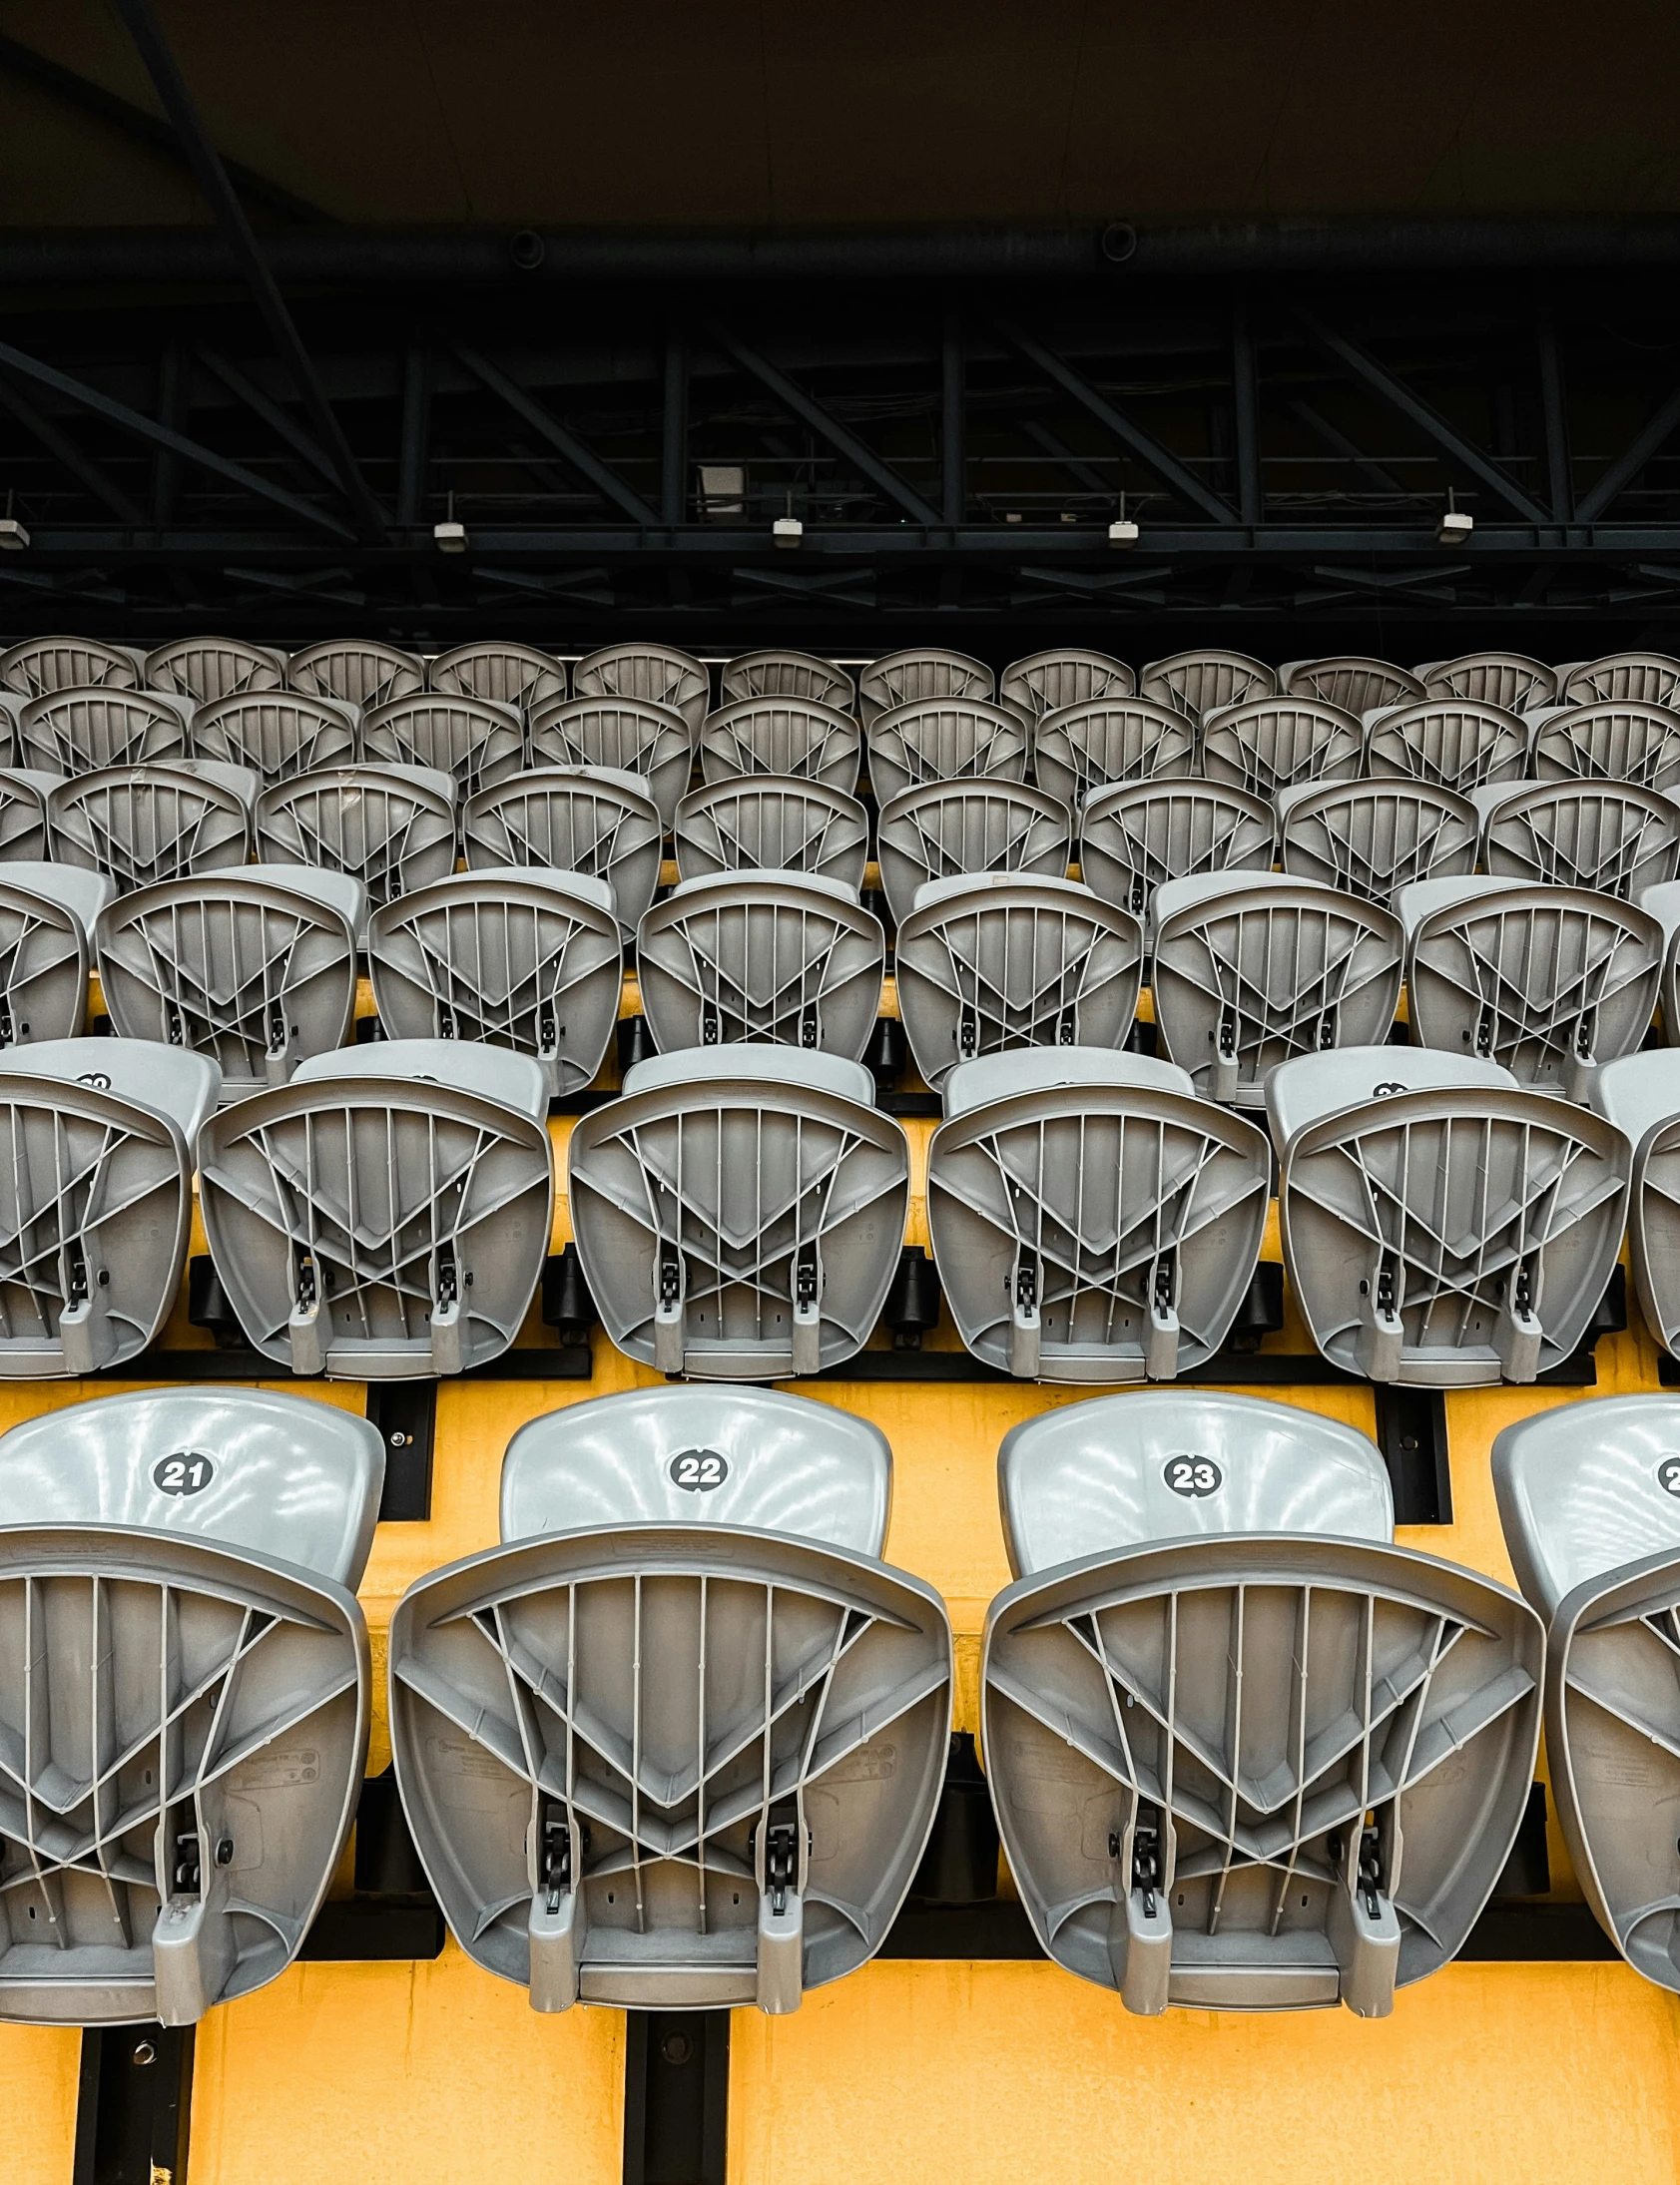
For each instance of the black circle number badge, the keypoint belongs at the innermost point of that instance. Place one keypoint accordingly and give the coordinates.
(189, 1472)
(1668, 1475)
(1193, 1477)
(698, 1471)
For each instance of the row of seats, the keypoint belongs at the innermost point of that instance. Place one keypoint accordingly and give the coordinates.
(677, 1741)
(740, 1212)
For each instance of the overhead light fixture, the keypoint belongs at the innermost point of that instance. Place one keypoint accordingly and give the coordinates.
(1123, 531)
(1454, 526)
(13, 537)
(450, 536)
(788, 530)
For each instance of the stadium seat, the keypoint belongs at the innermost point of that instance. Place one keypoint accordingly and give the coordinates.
(478, 741)
(715, 1719)
(360, 673)
(517, 676)
(779, 674)
(995, 961)
(157, 822)
(1443, 1225)
(1609, 740)
(23, 812)
(1204, 682)
(781, 736)
(1648, 679)
(1096, 741)
(1245, 1752)
(1640, 1095)
(43, 665)
(1273, 744)
(95, 1201)
(591, 820)
(1092, 1220)
(738, 1211)
(1589, 1499)
(783, 957)
(940, 828)
(276, 733)
(256, 968)
(919, 675)
(192, 1716)
(1460, 744)
(390, 828)
(386, 1215)
(1250, 968)
(508, 955)
(80, 732)
(1138, 834)
(47, 914)
(944, 740)
(1044, 683)
(1548, 982)
(1371, 838)
(768, 824)
(1609, 837)
(1511, 681)
(205, 669)
(1662, 902)
(626, 735)
(1354, 685)
(646, 672)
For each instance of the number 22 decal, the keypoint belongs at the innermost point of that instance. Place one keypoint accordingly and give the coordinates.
(1193, 1476)
(1668, 1475)
(189, 1473)
(698, 1470)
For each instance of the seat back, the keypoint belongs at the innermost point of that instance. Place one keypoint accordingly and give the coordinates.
(942, 828)
(359, 671)
(778, 674)
(1273, 744)
(39, 665)
(781, 736)
(1610, 741)
(276, 733)
(1044, 683)
(1614, 838)
(517, 676)
(46, 916)
(1354, 683)
(1640, 1094)
(1649, 679)
(1460, 744)
(1138, 834)
(145, 823)
(1374, 837)
(478, 741)
(80, 732)
(652, 673)
(1094, 742)
(1203, 682)
(1511, 681)
(762, 822)
(590, 819)
(204, 669)
(944, 740)
(632, 736)
(921, 674)
(23, 814)
(390, 828)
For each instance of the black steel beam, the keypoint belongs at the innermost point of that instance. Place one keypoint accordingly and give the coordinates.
(1365, 370)
(64, 450)
(1554, 407)
(954, 455)
(1148, 450)
(245, 391)
(133, 121)
(566, 444)
(1245, 405)
(674, 429)
(1076, 467)
(1331, 438)
(417, 435)
(811, 413)
(1620, 474)
(230, 213)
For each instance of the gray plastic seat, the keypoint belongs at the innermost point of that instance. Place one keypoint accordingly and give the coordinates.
(1439, 1229)
(1640, 1094)
(1646, 679)
(1250, 968)
(1371, 838)
(95, 1201)
(1206, 680)
(784, 958)
(255, 967)
(631, 735)
(1092, 1220)
(363, 672)
(476, 740)
(942, 829)
(1549, 982)
(42, 663)
(1271, 744)
(501, 674)
(1246, 1753)
(738, 1213)
(1459, 744)
(1353, 684)
(591, 820)
(1045, 683)
(508, 955)
(917, 676)
(776, 673)
(716, 1722)
(1587, 1496)
(204, 669)
(47, 914)
(1083, 748)
(390, 828)
(1611, 837)
(386, 1215)
(998, 961)
(145, 823)
(1662, 902)
(763, 822)
(82, 732)
(276, 733)
(1511, 681)
(656, 673)
(946, 740)
(23, 812)
(1609, 741)
(1138, 834)
(781, 736)
(175, 1817)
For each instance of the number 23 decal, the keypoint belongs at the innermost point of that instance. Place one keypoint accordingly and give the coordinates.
(698, 1470)
(1193, 1476)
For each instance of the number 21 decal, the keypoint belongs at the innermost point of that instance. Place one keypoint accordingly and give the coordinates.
(1193, 1476)
(698, 1470)
(188, 1473)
